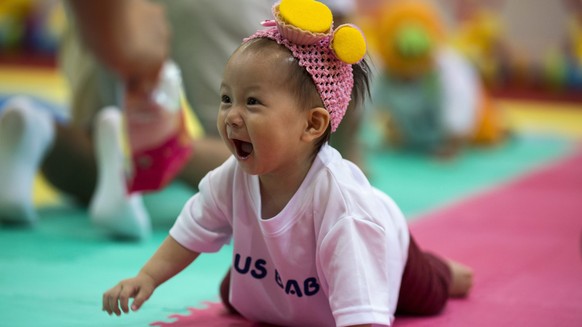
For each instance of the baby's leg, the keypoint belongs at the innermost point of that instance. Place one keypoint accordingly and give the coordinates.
(428, 282)
(225, 292)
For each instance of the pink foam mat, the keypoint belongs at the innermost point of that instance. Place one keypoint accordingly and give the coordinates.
(524, 242)
(522, 239)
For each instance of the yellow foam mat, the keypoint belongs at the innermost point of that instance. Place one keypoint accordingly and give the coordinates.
(564, 120)
(45, 83)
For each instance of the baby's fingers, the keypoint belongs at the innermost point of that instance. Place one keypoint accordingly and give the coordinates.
(127, 291)
(110, 300)
(142, 295)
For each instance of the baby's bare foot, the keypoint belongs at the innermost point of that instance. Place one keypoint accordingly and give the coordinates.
(462, 279)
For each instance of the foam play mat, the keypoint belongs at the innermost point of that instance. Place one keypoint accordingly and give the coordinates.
(513, 212)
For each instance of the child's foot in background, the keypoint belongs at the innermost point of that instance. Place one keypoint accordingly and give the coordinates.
(120, 214)
(26, 133)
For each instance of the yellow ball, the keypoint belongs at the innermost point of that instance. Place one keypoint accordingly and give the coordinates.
(349, 44)
(309, 15)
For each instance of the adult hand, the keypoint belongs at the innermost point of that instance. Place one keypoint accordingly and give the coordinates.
(131, 37)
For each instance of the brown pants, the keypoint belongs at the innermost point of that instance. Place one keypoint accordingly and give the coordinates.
(425, 283)
(424, 289)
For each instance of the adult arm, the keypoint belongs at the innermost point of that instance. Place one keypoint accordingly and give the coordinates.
(131, 37)
(169, 260)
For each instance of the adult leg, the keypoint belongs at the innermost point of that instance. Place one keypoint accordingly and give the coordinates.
(70, 165)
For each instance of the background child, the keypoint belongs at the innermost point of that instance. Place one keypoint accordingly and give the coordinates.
(314, 243)
(74, 154)
(428, 95)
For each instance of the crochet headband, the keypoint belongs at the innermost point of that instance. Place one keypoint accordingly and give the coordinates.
(305, 27)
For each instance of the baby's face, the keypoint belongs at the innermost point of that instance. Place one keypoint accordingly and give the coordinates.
(259, 117)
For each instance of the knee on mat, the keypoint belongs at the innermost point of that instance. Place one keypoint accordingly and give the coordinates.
(224, 294)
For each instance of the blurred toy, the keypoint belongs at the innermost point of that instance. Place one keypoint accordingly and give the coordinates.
(12, 22)
(573, 51)
(576, 35)
(561, 68)
(429, 96)
(46, 21)
(554, 70)
(31, 26)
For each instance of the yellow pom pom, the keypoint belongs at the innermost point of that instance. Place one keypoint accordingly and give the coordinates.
(349, 44)
(309, 15)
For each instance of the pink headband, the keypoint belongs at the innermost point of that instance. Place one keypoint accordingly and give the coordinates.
(333, 78)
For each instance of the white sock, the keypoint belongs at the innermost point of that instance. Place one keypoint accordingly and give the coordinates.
(120, 214)
(26, 133)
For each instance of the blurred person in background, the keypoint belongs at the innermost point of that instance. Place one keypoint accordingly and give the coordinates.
(114, 46)
(428, 98)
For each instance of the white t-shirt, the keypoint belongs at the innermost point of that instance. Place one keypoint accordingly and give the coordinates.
(333, 256)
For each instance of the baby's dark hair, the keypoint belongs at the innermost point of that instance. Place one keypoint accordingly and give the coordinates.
(301, 82)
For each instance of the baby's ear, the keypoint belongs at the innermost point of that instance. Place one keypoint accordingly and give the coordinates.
(317, 123)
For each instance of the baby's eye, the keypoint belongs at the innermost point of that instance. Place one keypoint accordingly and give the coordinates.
(225, 99)
(252, 101)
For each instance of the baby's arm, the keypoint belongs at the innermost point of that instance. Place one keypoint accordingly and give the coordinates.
(169, 260)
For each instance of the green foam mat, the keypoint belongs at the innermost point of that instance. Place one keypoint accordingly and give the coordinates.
(55, 273)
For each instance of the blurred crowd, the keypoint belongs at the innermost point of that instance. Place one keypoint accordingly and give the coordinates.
(436, 64)
(486, 32)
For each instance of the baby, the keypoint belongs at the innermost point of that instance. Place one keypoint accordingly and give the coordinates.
(314, 244)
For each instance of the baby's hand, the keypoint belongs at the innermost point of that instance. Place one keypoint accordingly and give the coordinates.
(140, 288)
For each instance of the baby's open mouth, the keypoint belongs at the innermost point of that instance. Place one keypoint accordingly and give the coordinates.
(243, 149)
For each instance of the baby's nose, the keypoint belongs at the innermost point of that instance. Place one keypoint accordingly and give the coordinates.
(233, 117)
